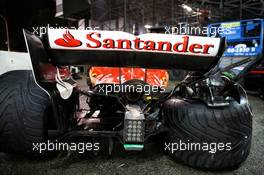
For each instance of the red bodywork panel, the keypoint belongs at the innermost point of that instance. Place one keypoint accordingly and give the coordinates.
(256, 72)
(115, 75)
(49, 72)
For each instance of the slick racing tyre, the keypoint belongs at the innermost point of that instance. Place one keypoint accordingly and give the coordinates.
(23, 112)
(206, 137)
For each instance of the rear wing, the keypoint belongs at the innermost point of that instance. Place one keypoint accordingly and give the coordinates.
(121, 49)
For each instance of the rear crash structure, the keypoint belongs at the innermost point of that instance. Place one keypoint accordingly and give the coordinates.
(205, 121)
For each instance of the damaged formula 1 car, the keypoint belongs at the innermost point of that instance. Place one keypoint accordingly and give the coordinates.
(205, 121)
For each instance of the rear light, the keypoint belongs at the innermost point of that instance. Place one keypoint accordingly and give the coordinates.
(134, 128)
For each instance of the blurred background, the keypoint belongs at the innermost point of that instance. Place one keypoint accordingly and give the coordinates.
(124, 15)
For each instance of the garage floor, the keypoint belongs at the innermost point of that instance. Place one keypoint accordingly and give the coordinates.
(151, 161)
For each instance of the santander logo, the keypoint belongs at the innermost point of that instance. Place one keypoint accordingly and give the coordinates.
(68, 40)
(122, 41)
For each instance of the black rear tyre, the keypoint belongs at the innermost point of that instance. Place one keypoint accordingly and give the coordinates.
(226, 128)
(23, 112)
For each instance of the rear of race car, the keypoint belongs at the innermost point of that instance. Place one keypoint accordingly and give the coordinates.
(205, 121)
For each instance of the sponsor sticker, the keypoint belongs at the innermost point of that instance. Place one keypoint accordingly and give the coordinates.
(122, 41)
